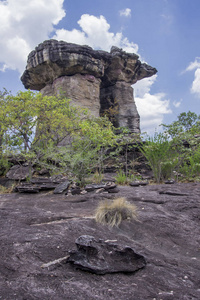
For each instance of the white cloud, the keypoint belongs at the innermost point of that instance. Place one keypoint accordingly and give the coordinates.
(194, 65)
(125, 12)
(143, 86)
(195, 88)
(177, 103)
(151, 107)
(95, 32)
(24, 24)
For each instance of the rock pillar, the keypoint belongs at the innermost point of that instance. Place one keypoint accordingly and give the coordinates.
(118, 103)
(93, 79)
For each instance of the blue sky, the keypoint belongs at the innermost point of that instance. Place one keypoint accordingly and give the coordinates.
(164, 33)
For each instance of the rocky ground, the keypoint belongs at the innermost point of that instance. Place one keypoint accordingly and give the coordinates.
(40, 228)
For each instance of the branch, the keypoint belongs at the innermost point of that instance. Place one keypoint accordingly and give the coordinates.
(54, 262)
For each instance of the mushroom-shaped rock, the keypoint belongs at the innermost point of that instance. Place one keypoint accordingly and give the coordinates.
(97, 80)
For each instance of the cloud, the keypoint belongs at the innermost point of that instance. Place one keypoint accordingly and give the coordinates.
(195, 88)
(151, 107)
(23, 25)
(194, 65)
(143, 86)
(177, 103)
(125, 12)
(95, 32)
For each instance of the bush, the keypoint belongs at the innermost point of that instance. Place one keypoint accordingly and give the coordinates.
(113, 213)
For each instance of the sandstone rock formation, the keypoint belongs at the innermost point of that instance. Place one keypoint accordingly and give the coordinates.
(93, 79)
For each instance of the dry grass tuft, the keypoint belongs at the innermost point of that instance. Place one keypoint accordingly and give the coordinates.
(5, 190)
(113, 213)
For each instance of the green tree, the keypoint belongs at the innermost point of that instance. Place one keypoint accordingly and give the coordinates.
(49, 131)
(186, 122)
(176, 150)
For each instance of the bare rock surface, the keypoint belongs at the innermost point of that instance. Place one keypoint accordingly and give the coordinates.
(38, 232)
(98, 80)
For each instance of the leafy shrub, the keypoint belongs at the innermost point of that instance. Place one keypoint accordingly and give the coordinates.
(159, 155)
(113, 213)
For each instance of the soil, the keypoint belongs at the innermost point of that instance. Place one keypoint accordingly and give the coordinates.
(37, 229)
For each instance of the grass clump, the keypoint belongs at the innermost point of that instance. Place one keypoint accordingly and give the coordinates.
(6, 190)
(113, 213)
(121, 178)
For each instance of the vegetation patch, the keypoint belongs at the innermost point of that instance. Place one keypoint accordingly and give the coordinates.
(114, 213)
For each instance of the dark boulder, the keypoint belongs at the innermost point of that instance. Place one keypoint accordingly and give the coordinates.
(62, 188)
(19, 172)
(101, 257)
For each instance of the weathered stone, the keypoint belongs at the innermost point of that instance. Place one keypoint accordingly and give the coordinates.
(83, 90)
(110, 185)
(101, 257)
(114, 190)
(62, 187)
(117, 100)
(6, 182)
(93, 187)
(52, 59)
(38, 184)
(35, 188)
(93, 79)
(27, 188)
(75, 190)
(138, 183)
(18, 172)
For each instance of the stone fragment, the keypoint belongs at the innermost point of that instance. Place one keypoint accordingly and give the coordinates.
(27, 188)
(110, 185)
(114, 190)
(93, 187)
(75, 191)
(99, 257)
(62, 188)
(19, 172)
(171, 181)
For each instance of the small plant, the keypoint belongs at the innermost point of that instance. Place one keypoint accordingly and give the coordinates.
(121, 178)
(6, 190)
(97, 177)
(113, 213)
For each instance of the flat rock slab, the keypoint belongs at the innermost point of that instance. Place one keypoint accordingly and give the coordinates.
(99, 257)
(41, 229)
